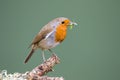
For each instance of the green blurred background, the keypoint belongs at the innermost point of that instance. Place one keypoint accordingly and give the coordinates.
(91, 50)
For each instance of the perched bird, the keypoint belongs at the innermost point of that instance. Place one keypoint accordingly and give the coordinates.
(50, 36)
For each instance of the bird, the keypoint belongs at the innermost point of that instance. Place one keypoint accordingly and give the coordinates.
(51, 35)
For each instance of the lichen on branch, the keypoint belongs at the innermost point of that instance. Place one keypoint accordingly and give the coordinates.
(36, 74)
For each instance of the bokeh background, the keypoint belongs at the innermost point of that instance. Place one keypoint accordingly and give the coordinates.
(91, 50)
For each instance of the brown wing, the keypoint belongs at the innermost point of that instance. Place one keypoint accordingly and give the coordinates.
(41, 35)
(44, 31)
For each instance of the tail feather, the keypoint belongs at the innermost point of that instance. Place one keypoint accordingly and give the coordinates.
(29, 56)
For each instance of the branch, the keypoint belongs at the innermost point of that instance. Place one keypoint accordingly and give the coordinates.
(44, 68)
(37, 73)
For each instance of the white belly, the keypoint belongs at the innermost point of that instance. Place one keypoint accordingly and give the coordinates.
(48, 43)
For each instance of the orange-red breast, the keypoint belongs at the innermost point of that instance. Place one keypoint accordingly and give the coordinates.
(50, 36)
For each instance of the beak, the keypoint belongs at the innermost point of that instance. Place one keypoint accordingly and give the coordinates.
(72, 24)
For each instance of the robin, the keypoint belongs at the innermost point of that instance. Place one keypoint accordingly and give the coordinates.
(50, 36)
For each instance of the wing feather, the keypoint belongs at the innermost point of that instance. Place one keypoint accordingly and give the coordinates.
(42, 35)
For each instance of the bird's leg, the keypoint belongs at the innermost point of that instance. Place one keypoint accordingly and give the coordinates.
(52, 54)
(51, 51)
(43, 56)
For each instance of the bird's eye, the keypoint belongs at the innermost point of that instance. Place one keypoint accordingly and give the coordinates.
(63, 22)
